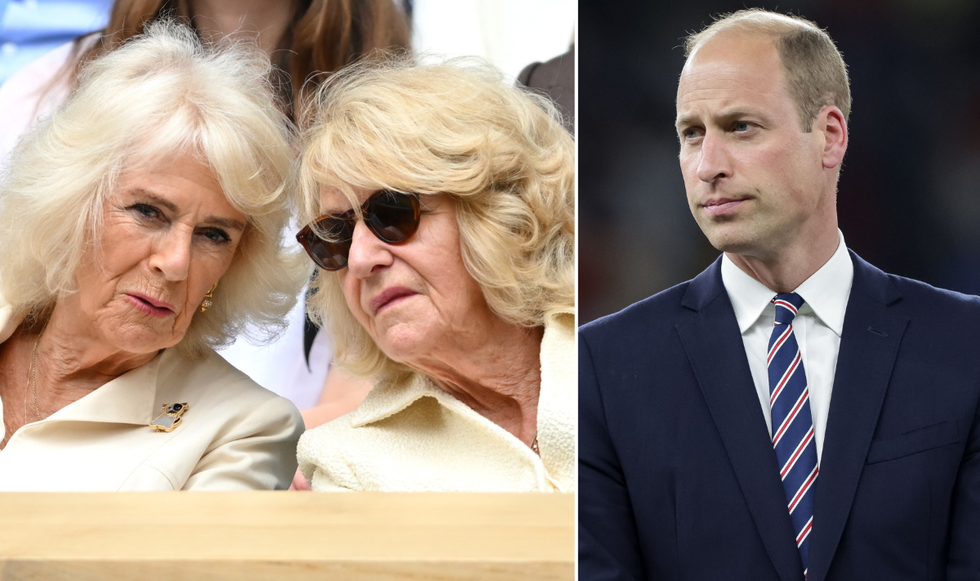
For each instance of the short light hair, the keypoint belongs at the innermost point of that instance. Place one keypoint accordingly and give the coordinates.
(816, 75)
(161, 94)
(454, 128)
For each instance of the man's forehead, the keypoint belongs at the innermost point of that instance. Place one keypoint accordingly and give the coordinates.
(733, 45)
(748, 34)
(730, 71)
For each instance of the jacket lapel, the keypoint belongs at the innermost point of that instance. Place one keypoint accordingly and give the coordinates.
(714, 347)
(868, 350)
(127, 399)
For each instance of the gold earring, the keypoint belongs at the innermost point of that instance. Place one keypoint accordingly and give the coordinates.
(207, 298)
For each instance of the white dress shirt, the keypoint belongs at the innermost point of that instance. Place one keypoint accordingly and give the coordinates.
(817, 327)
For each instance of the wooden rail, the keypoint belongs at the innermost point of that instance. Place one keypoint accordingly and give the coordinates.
(285, 536)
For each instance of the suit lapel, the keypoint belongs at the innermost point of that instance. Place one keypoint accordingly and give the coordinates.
(714, 347)
(868, 349)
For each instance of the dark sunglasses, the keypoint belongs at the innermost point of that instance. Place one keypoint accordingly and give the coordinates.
(392, 216)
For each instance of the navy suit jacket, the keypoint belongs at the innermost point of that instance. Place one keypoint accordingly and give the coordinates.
(677, 476)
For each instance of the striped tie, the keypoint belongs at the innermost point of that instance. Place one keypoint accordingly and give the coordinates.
(792, 425)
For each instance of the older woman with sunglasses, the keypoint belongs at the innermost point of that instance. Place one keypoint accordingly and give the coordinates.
(440, 209)
(140, 226)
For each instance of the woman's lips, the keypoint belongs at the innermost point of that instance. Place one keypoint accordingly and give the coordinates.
(389, 297)
(150, 306)
(722, 206)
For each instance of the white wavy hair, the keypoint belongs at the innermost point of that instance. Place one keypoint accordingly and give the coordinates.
(160, 94)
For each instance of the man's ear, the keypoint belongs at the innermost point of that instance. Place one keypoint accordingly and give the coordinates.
(831, 124)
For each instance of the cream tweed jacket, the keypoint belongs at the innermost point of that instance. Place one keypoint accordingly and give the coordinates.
(413, 436)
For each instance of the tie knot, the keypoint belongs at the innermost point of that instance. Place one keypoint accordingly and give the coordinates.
(787, 305)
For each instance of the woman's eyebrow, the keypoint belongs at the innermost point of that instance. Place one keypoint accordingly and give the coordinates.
(216, 220)
(156, 199)
(225, 222)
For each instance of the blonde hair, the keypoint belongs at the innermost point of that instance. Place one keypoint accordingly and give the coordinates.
(816, 75)
(455, 128)
(159, 95)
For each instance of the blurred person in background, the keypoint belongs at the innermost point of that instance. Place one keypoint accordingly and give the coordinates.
(507, 33)
(140, 226)
(32, 28)
(792, 412)
(439, 202)
(556, 79)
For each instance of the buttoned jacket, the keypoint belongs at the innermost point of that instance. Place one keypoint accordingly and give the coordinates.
(678, 478)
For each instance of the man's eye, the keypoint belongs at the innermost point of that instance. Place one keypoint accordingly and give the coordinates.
(740, 126)
(690, 133)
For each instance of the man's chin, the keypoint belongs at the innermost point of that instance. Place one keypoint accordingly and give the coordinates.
(732, 241)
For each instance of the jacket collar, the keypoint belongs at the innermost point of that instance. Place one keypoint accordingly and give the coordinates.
(557, 420)
(824, 293)
(869, 280)
(705, 288)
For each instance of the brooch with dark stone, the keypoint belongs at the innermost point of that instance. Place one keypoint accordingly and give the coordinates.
(170, 418)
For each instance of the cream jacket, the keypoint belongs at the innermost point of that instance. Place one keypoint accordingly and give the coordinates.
(414, 436)
(233, 436)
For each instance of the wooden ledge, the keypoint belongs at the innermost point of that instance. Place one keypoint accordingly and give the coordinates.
(285, 536)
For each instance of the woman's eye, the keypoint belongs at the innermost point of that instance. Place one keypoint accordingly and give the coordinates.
(216, 235)
(145, 211)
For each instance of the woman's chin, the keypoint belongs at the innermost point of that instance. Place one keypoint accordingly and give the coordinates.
(142, 340)
(403, 343)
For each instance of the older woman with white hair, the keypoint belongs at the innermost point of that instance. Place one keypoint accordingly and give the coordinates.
(441, 217)
(139, 227)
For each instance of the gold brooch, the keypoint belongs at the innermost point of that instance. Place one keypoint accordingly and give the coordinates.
(170, 418)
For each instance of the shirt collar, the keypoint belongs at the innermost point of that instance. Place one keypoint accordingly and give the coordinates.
(391, 397)
(825, 292)
(557, 403)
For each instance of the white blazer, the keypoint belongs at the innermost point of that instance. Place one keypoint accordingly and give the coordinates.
(413, 436)
(234, 435)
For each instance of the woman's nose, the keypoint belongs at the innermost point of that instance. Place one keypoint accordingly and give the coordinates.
(172, 255)
(367, 252)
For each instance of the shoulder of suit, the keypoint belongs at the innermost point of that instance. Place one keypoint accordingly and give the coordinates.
(915, 293)
(651, 311)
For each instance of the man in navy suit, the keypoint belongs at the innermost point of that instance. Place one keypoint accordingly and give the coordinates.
(792, 412)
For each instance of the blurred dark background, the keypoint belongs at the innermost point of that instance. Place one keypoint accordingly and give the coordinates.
(909, 193)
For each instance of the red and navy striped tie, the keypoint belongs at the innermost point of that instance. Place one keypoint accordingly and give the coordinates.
(792, 424)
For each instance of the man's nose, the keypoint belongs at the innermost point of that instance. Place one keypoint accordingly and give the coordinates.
(715, 161)
(367, 252)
